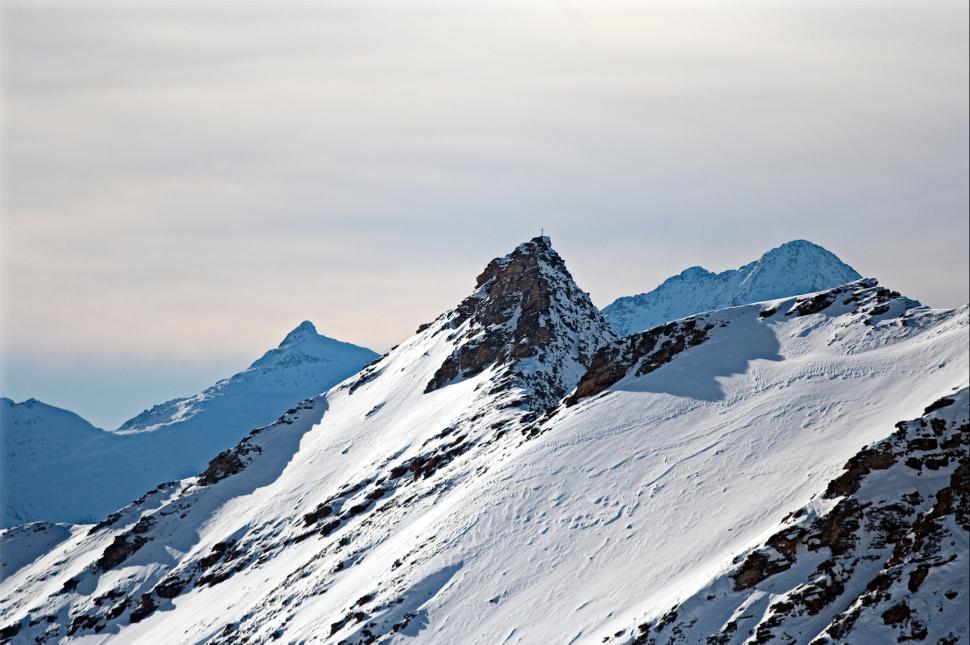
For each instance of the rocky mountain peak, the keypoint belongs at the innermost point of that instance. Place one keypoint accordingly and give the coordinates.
(527, 316)
(305, 345)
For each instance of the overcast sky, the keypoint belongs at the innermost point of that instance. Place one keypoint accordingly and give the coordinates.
(184, 183)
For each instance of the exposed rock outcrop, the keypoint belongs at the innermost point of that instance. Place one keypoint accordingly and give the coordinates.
(645, 351)
(528, 319)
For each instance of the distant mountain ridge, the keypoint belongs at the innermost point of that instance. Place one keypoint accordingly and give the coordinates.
(791, 269)
(55, 466)
(294, 370)
(36, 416)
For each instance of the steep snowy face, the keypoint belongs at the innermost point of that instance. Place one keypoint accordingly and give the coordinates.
(793, 268)
(528, 319)
(57, 467)
(389, 511)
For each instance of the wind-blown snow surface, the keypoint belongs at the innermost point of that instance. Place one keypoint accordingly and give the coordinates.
(404, 506)
(57, 467)
(791, 269)
(881, 557)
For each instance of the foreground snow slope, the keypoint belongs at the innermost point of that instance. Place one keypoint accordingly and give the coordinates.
(793, 268)
(437, 497)
(881, 557)
(55, 466)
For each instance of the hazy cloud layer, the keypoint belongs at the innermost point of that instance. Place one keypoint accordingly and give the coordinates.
(184, 183)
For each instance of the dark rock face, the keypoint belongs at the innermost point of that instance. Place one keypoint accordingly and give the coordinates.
(528, 317)
(890, 556)
(228, 462)
(858, 467)
(815, 304)
(938, 404)
(120, 550)
(757, 567)
(9, 632)
(646, 351)
(234, 461)
(366, 375)
(863, 295)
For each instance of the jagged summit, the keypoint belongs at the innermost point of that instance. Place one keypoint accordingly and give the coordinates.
(527, 317)
(793, 268)
(304, 330)
(305, 345)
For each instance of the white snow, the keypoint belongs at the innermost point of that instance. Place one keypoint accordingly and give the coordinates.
(58, 467)
(791, 269)
(876, 520)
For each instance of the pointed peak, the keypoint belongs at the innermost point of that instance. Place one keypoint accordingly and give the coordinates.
(304, 330)
(528, 255)
(306, 343)
(809, 257)
(539, 245)
(528, 315)
(797, 246)
(539, 242)
(694, 271)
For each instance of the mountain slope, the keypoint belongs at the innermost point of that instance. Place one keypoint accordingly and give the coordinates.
(57, 467)
(437, 497)
(886, 562)
(793, 268)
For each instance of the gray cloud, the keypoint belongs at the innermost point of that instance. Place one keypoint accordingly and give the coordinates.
(182, 183)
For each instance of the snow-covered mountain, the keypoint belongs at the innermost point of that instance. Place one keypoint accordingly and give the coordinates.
(514, 473)
(791, 269)
(55, 466)
(305, 363)
(22, 422)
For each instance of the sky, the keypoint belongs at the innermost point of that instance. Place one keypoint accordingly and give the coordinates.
(183, 183)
